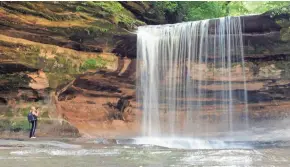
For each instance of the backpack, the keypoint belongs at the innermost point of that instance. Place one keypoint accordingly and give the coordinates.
(30, 117)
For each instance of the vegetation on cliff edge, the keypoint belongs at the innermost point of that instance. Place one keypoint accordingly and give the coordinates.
(177, 11)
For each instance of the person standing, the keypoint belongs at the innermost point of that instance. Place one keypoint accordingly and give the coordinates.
(33, 114)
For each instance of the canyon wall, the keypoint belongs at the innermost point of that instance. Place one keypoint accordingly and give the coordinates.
(76, 59)
(46, 46)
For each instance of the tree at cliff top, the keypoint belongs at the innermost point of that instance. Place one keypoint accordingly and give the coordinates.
(198, 10)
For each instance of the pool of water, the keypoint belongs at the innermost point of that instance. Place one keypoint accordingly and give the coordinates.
(94, 153)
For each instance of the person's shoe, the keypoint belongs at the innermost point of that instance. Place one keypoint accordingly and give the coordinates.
(33, 137)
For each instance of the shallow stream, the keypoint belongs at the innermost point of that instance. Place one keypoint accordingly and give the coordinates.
(94, 153)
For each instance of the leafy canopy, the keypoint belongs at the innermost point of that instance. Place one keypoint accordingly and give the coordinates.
(177, 11)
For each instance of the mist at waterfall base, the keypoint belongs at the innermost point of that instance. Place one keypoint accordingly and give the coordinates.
(191, 85)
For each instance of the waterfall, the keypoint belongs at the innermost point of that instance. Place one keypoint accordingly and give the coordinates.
(191, 78)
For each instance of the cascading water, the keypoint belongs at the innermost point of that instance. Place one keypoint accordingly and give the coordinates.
(191, 78)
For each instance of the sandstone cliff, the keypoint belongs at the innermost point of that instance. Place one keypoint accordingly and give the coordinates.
(45, 45)
(74, 58)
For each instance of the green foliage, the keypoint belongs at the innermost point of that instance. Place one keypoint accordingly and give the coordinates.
(95, 30)
(36, 9)
(55, 79)
(20, 125)
(285, 67)
(117, 12)
(93, 64)
(29, 5)
(237, 8)
(29, 54)
(264, 6)
(80, 8)
(164, 6)
(24, 10)
(177, 11)
(90, 64)
(127, 21)
(9, 113)
(24, 111)
(206, 10)
(4, 124)
(113, 11)
(189, 11)
(110, 7)
(14, 125)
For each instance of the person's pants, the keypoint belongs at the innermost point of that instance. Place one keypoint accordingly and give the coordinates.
(33, 128)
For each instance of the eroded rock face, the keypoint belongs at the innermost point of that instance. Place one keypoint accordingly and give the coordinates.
(38, 81)
(268, 60)
(60, 37)
(64, 40)
(90, 104)
(22, 83)
(22, 87)
(144, 12)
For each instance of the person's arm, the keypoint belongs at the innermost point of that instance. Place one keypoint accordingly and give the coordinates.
(36, 113)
